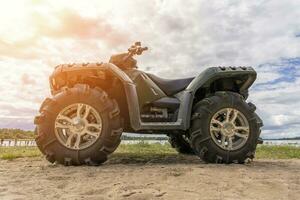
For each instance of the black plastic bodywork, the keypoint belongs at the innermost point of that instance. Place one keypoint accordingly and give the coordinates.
(141, 90)
(170, 87)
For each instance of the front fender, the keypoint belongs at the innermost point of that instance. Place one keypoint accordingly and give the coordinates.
(71, 74)
(67, 75)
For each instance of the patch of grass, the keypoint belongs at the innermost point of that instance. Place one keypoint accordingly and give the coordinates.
(146, 148)
(277, 152)
(144, 152)
(10, 153)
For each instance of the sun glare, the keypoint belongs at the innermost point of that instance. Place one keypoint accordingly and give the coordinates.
(25, 19)
(16, 22)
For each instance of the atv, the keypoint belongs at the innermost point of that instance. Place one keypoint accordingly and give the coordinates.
(93, 103)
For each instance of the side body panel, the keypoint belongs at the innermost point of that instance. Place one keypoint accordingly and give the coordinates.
(134, 109)
(147, 90)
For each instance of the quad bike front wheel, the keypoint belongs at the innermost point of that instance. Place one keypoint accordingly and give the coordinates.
(225, 129)
(78, 126)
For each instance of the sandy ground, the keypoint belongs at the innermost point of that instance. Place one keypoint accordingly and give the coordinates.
(170, 178)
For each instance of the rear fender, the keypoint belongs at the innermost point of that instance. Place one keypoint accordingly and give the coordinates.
(242, 77)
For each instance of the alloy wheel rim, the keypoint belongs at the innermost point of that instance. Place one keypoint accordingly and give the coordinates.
(78, 126)
(229, 129)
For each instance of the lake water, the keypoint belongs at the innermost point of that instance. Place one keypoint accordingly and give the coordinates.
(11, 143)
(282, 142)
(6, 143)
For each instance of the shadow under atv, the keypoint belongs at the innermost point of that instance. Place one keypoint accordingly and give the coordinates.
(152, 158)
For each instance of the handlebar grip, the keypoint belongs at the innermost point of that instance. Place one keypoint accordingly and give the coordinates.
(140, 50)
(137, 44)
(136, 49)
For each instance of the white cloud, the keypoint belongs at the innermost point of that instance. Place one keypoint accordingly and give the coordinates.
(184, 37)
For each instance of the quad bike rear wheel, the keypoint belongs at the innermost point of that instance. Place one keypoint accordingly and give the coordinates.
(181, 144)
(78, 125)
(225, 129)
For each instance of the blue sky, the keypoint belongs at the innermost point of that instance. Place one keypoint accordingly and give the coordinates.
(184, 37)
(278, 97)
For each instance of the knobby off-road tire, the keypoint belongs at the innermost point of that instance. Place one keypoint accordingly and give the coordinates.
(106, 141)
(203, 142)
(180, 144)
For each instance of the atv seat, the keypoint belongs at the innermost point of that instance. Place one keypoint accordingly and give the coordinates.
(170, 86)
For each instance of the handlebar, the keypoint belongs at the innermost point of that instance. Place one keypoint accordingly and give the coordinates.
(136, 49)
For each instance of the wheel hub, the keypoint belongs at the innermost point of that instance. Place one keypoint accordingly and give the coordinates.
(229, 129)
(78, 126)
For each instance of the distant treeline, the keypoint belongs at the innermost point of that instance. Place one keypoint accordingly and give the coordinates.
(7, 133)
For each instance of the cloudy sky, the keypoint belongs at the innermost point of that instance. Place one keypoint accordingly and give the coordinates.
(185, 37)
